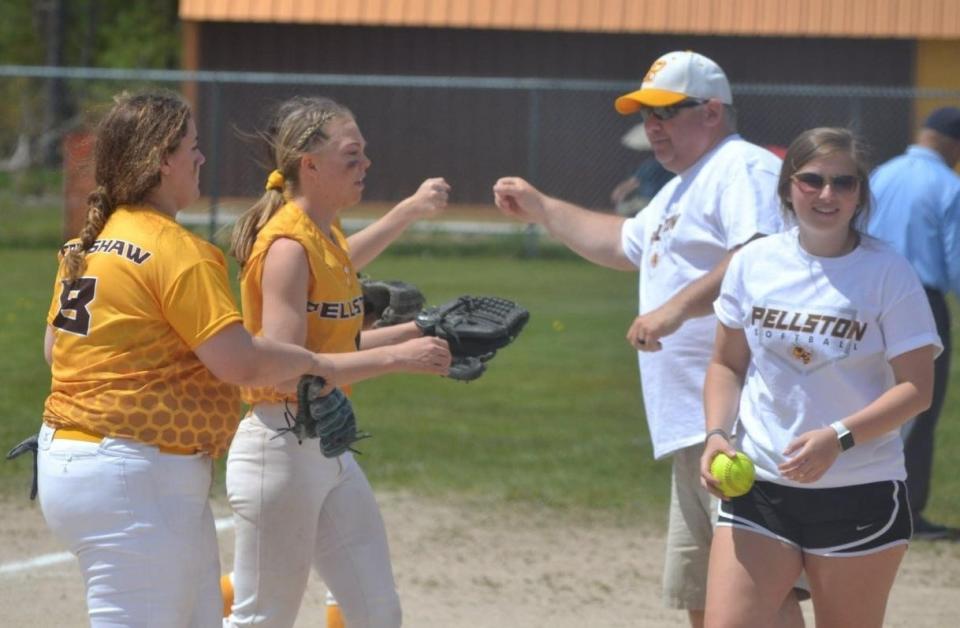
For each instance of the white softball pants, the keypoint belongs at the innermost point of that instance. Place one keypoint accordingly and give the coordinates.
(139, 522)
(294, 508)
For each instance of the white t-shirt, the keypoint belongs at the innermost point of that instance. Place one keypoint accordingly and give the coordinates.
(717, 204)
(821, 333)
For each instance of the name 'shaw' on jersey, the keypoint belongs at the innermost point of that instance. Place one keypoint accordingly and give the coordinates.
(122, 248)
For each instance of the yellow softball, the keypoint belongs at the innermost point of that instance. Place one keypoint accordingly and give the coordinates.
(735, 475)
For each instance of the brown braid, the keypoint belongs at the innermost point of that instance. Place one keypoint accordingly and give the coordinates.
(133, 139)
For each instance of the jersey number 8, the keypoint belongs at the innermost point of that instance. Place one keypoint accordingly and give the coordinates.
(74, 314)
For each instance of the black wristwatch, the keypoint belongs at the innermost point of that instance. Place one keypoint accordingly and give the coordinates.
(844, 435)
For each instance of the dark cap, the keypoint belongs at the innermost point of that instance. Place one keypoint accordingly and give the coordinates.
(945, 120)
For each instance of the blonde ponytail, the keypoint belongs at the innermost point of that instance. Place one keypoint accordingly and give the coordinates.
(250, 223)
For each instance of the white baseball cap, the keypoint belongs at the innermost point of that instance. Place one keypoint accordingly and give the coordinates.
(677, 76)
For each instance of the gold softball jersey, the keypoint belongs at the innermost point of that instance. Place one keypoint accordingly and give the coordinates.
(123, 360)
(334, 299)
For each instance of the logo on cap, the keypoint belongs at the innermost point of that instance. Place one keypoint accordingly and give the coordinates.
(658, 65)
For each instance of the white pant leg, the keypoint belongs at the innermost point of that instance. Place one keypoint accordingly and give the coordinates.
(139, 523)
(208, 611)
(352, 554)
(276, 488)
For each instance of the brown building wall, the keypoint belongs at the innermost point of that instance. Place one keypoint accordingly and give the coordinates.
(439, 52)
(474, 136)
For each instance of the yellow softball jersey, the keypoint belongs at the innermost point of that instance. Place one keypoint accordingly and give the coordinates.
(123, 360)
(334, 302)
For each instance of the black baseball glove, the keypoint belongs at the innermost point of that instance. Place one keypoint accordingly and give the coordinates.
(327, 416)
(388, 303)
(27, 444)
(467, 369)
(475, 328)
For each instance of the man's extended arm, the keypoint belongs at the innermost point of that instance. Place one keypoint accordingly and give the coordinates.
(592, 235)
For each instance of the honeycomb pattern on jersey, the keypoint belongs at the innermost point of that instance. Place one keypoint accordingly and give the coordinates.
(160, 393)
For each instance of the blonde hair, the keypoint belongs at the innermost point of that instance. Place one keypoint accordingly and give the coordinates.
(298, 127)
(133, 138)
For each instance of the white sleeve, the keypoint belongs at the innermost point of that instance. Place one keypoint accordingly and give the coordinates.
(749, 205)
(906, 321)
(631, 238)
(729, 305)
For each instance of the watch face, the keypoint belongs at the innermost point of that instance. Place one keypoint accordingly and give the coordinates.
(846, 441)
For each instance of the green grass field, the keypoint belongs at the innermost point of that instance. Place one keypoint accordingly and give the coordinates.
(556, 420)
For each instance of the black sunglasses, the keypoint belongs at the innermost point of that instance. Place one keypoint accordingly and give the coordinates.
(810, 182)
(670, 111)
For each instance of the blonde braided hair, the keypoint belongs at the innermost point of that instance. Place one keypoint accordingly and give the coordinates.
(297, 128)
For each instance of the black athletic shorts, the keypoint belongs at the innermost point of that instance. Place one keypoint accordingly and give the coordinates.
(844, 521)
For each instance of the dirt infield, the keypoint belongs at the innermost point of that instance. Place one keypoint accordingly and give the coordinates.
(472, 565)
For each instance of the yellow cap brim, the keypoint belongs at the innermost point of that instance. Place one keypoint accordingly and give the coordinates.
(631, 103)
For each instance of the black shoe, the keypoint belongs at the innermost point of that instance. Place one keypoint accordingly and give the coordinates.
(927, 531)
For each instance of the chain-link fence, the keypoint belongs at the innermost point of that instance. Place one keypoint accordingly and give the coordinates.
(564, 136)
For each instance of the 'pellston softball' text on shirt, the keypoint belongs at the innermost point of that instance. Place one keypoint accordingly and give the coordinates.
(822, 332)
(807, 323)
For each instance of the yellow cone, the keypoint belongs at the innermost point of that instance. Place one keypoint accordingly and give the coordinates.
(226, 590)
(334, 616)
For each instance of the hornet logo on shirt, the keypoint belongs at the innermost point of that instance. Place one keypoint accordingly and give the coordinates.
(662, 233)
(804, 355)
(805, 341)
(337, 309)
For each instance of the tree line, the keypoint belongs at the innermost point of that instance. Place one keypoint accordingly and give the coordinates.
(35, 113)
